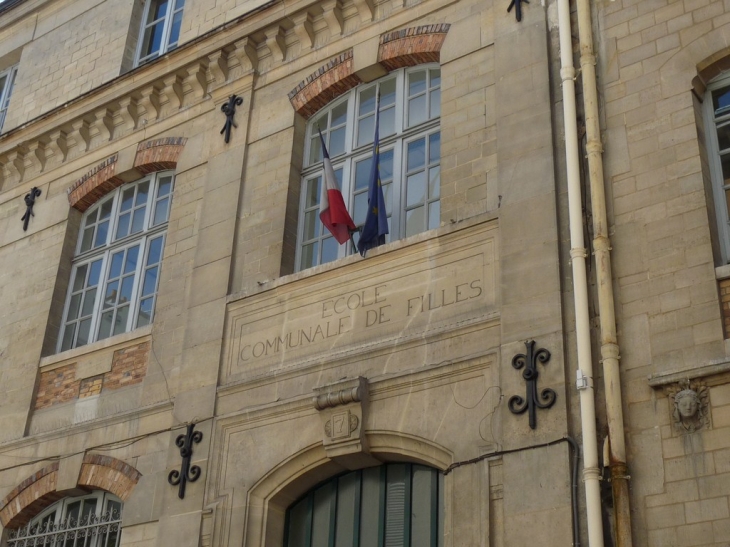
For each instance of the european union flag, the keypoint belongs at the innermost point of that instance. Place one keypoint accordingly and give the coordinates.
(376, 220)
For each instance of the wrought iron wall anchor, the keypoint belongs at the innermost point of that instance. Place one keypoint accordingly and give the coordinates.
(229, 109)
(186, 473)
(517, 4)
(531, 402)
(29, 203)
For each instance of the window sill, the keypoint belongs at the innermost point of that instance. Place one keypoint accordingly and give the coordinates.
(59, 359)
(722, 272)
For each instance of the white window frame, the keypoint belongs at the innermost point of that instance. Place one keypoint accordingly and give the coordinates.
(7, 90)
(719, 185)
(104, 253)
(173, 7)
(397, 142)
(94, 532)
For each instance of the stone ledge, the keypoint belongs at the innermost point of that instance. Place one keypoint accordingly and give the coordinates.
(719, 369)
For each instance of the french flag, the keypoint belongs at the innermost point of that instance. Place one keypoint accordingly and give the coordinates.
(333, 212)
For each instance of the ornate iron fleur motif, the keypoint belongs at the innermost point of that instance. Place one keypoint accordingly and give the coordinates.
(186, 473)
(531, 402)
(29, 203)
(229, 109)
(517, 4)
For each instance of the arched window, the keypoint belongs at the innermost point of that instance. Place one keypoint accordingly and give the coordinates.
(92, 520)
(116, 268)
(717, 121)
(410, 155)
(393, 505)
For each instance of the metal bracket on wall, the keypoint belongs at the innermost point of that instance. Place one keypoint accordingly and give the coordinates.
(187, 472)
(531, 402)
(517, 4)
(229, 109)
(29, 203)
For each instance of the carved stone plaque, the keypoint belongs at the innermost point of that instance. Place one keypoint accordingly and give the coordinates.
(392, 298)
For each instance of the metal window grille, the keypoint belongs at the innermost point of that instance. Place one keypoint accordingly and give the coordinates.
(90, 531)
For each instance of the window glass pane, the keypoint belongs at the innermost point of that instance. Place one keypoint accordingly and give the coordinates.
(158, 9)
(434, 182)
(416, 82)
(175, 28)
(106, 209)
(89, 300)
(83, 336)
(131, 263)
(417, 110)
(387, 122)
(387, 93)
(727, 202)
(145, 312)
(416, 154)
(122, 226)
(725, 162)
(323, 510)
(415, 221)
(150, 281)
(366, 130)
(435, 75)
(360, 209)
(80, 279)
(416, 188)
(362, 173)
(388, 195)
(339, 114)
(101, 234)
(348, 508)
(337, 142)
(142, 191)
(73, 307)
(311, 224)
(127, 199)
(312, 194)
(138, 220)
(94, 273)
(116, 268)
(68, 336)
(315, 150)
(386, 165)
(120, 322)
(395, 509)
(309, 253)
(72, 512)
(88, 235)
(721, 101)
(161, 211)
(435, 111)
(300, 524)
(125, 293)
(434, 147)
(110, 297)
(89, 510)
(329, 250)
(155, 253)
(371, 512)
(164, 187)
(91, 218)
(367, 100)
(423, 506)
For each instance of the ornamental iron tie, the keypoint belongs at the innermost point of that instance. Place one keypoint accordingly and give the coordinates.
(29, 203)
(229, 109)
(186, 473)
(531, 402)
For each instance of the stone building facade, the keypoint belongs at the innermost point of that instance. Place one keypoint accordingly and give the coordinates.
(175, 280)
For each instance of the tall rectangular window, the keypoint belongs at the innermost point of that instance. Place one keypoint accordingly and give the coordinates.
(160, 28)
(7, 81)
(116, 269)
(410, 158)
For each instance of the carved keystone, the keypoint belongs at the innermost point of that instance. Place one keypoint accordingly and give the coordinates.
(342, 406)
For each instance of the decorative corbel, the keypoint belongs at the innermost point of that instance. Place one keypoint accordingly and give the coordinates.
(149, 102)
(342, 408)
(171, 95)
(78, 138)
(247, 54)
(366, 9)
(304, 29)
(195, 82)
(100, 127)
(14, 166)
(332, 13)
(34, 158)
(125, 118)
(218, 67)
(56, 148)
(275, 42)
